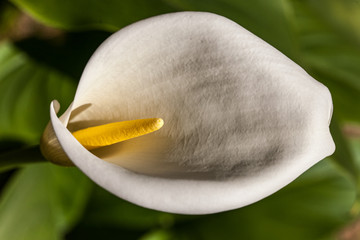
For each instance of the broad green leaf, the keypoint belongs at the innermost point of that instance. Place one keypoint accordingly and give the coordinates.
(321, 36)
(42, 201)
(19, 157)
(106, 14)
(344, 16)
(26, 90)
(108, 217)
(314, 206)
(264, 18)
(104, 209)
(67, 54)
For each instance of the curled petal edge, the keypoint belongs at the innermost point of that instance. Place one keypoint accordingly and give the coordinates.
(181, 196)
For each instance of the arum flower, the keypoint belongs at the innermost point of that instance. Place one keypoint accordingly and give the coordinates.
(190, 113)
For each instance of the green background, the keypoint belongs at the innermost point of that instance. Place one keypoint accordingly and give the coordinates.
(45, 44)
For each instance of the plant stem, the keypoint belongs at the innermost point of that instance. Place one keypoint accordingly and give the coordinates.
(20, 157)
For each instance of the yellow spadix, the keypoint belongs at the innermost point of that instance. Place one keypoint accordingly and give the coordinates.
(108, 134)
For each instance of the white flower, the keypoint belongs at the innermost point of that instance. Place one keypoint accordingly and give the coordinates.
(241, 119)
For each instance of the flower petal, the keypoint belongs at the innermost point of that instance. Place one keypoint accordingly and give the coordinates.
(183, 196)
(241, 119)
(230, 101)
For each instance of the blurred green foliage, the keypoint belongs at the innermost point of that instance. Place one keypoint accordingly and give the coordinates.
(42, 201)
(39, 204)
(26, 88)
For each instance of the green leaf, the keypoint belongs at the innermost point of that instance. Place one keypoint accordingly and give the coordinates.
(108, 217)
(68, 53)
(314, 206)
(82, 14)
(265, 18)
(42, 201)
(105, 209)
(20, 157)
(344, 16)
(26, 90)
(322, 36)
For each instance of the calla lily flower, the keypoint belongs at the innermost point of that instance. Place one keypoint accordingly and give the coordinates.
(214, 118)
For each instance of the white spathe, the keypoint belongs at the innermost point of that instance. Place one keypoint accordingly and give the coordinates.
(241, 119)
